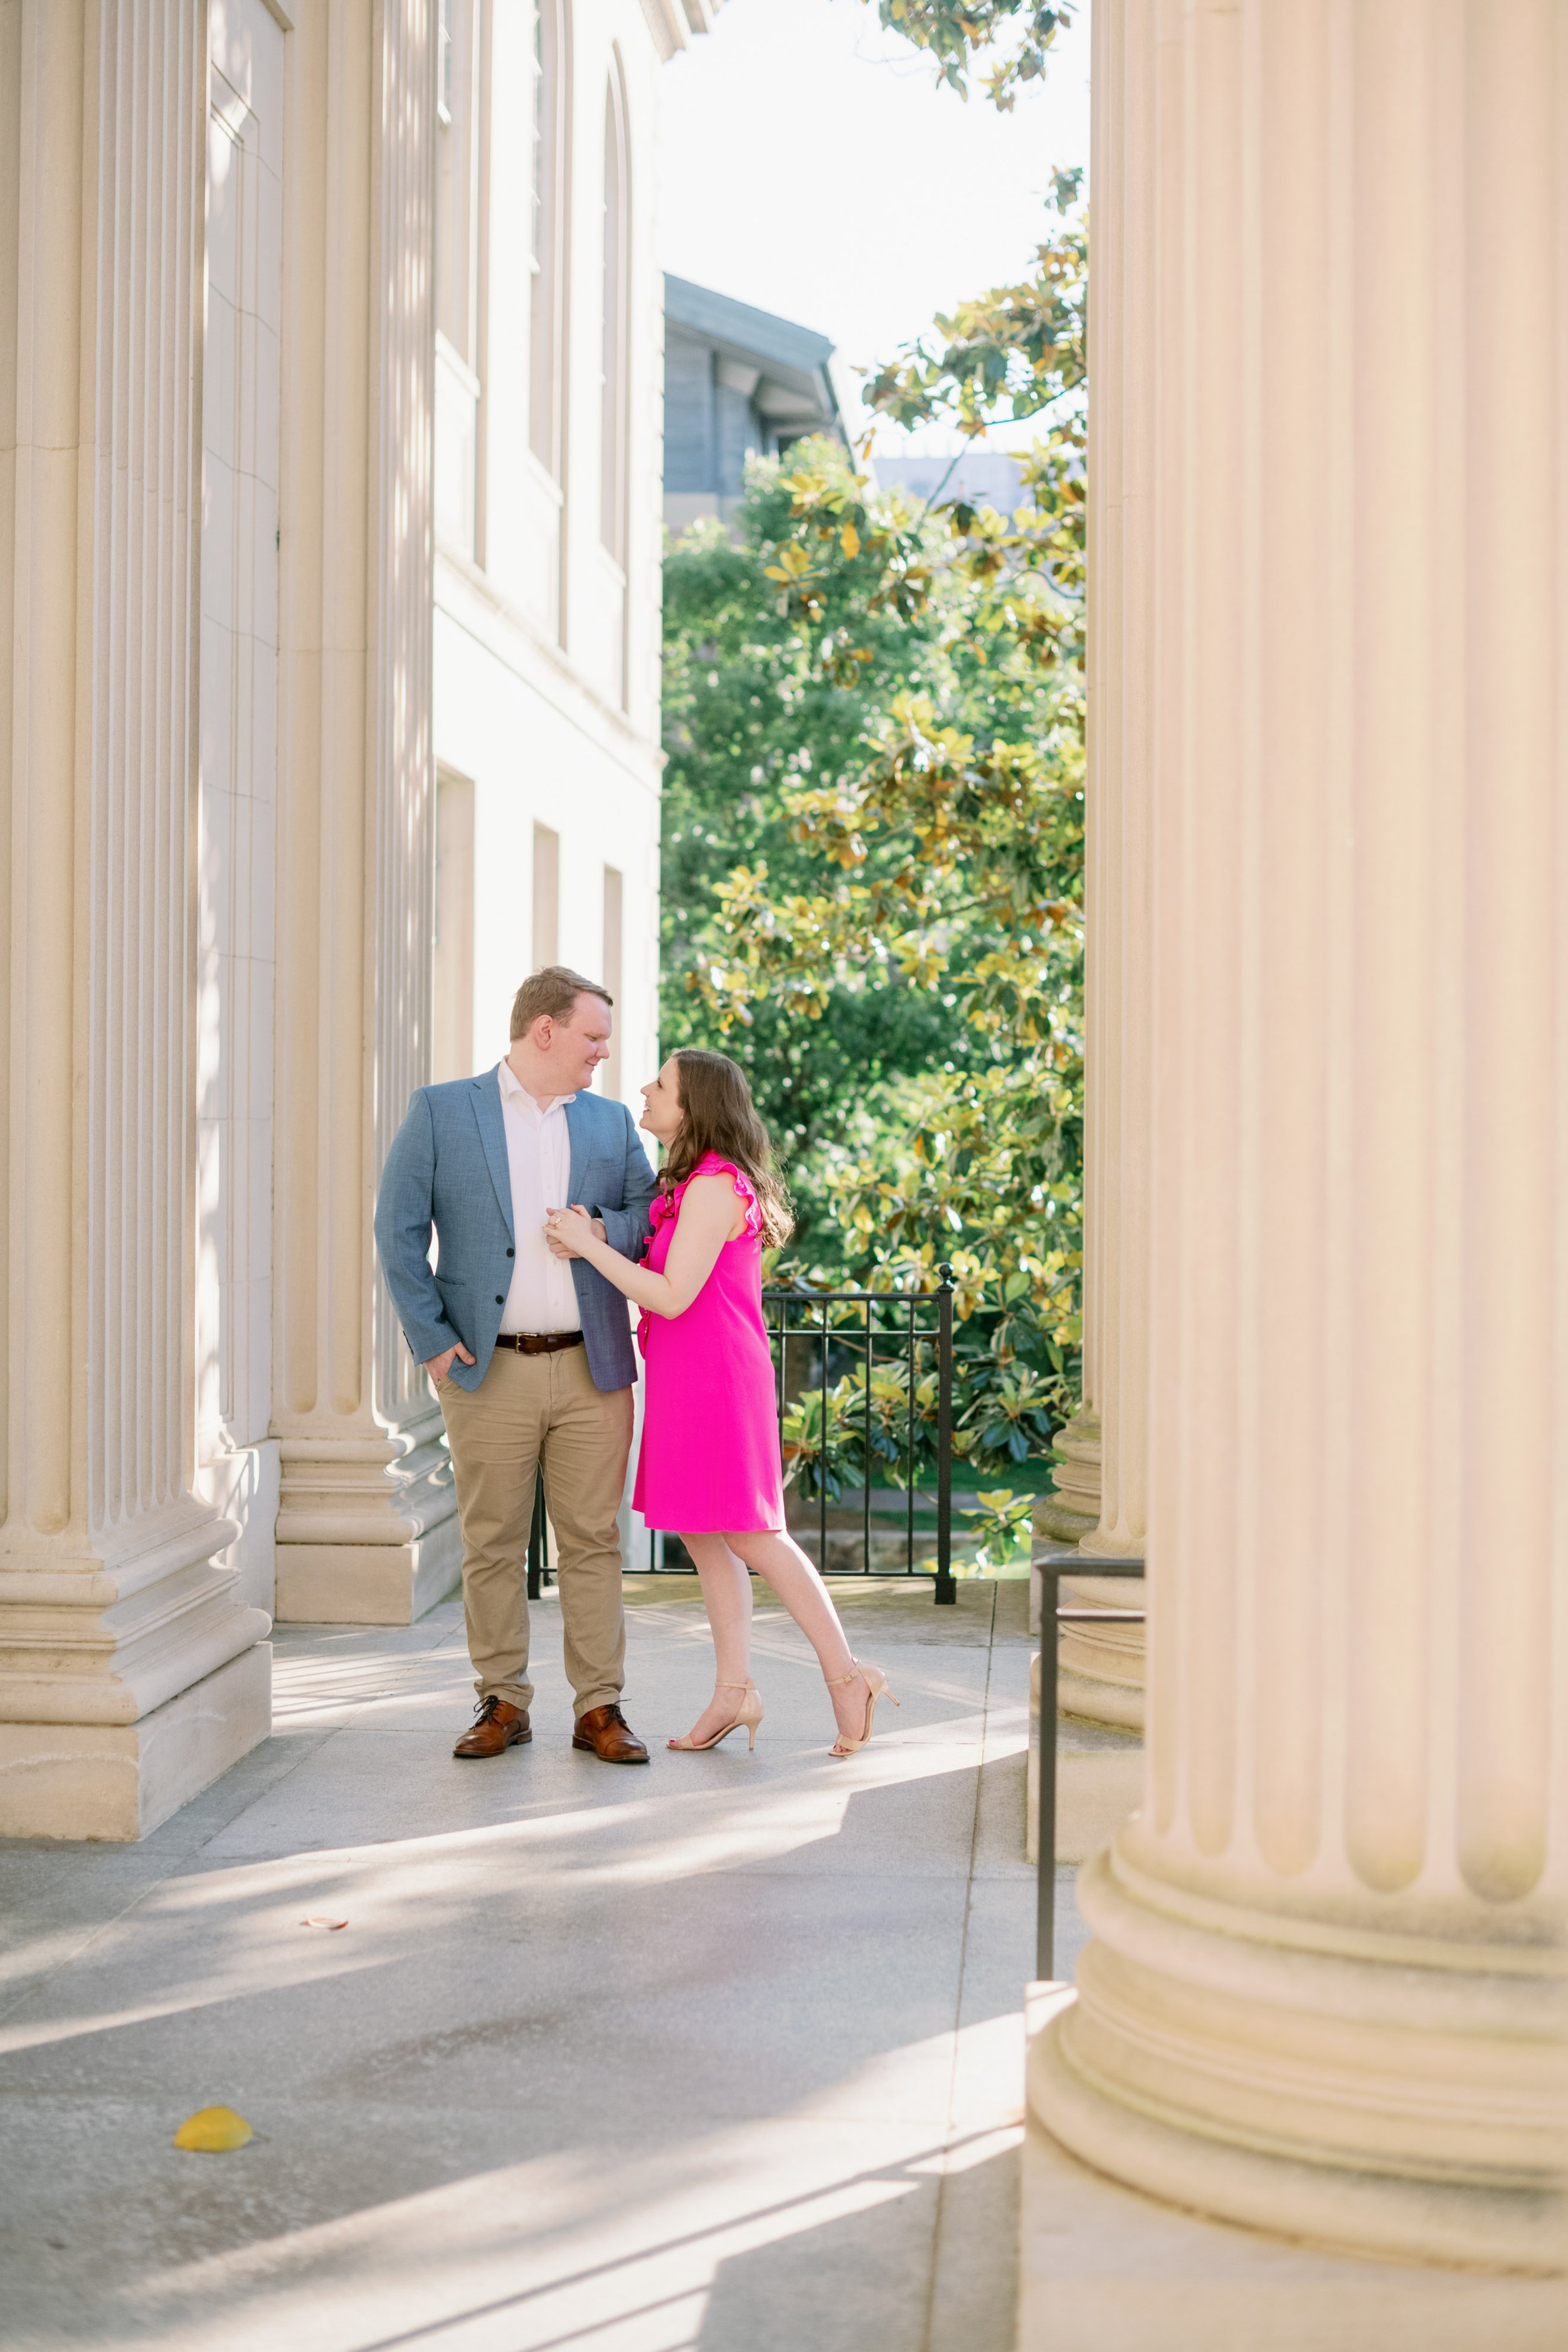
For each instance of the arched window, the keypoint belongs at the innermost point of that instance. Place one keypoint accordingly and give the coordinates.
(457, 176)
(547, 235)
(615, 413)
(460, 204)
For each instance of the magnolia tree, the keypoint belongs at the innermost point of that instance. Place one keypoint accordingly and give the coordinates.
(1014, 36)
(902, 685)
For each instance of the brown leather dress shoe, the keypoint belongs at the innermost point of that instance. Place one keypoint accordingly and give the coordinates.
(497, 1724)
(606, 1731)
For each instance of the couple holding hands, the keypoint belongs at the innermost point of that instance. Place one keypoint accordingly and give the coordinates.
(548, 1218)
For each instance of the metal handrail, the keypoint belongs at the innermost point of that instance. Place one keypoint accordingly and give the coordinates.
(1053, 1566)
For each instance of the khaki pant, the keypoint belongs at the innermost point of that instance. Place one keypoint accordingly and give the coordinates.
(528, 1410)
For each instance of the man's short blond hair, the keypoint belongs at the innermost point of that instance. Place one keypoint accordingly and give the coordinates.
(552, 992)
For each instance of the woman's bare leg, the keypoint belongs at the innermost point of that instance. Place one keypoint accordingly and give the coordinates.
(726, 1597)
(781, 1561)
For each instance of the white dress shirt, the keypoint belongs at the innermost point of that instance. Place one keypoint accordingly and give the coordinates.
(538, 1159)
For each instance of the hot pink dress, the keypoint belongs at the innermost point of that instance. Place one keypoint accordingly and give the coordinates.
(709, 1459)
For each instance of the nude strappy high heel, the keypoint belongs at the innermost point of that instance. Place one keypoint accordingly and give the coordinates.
(876, 1683)
(749, 1714)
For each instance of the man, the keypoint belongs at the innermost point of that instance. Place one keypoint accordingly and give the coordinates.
(530, 1352)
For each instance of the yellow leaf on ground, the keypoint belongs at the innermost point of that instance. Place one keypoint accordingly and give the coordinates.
(318, 1919)
(211, 2130)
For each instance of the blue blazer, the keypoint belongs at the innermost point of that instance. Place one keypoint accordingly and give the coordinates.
(447, 1168)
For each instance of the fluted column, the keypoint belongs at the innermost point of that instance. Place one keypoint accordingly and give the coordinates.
(1324, 1990)
(366, 1529)
(1100, 1501)
(130, 1672)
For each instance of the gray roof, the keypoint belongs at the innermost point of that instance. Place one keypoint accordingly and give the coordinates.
(744, 329)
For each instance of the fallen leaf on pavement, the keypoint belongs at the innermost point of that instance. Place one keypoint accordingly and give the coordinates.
(211, 2130)
(317, 1921)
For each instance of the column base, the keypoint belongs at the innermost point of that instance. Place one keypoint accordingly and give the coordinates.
(1101, 2265)
(1100, 1671)
(1409, 2106)
(1101, 1668)
(368, 1584)
(243, 1486)
(1087, 1699)
(117, 1781)
(367, 1527)
(1072, 1512)
(1061, 1522)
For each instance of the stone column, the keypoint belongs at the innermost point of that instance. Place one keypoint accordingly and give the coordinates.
(366, 1529)
(131, 1674)
(1101, 1483)
(1323, 1994)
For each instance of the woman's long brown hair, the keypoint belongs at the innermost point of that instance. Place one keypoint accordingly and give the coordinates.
(718, 1115)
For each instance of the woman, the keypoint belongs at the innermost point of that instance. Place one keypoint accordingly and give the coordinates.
(709, 1459)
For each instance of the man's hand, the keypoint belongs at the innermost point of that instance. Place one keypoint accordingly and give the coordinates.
(557, 1242)
(439, 1366)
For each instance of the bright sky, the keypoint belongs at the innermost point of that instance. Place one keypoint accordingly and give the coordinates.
(809, 163)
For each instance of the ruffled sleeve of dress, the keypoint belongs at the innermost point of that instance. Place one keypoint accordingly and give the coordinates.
(711, 1165)
(667, 1205)
(666, 1208)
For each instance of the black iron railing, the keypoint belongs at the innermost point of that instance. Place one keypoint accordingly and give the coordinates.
(1052, 1567)
(537, 1540)
(819, 1337)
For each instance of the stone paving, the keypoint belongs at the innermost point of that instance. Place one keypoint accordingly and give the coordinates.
(724, 2053)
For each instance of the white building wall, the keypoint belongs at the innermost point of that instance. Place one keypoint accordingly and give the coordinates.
(538, 750)
(540, 703)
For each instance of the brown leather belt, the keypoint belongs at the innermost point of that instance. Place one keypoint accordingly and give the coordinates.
(538, 1343)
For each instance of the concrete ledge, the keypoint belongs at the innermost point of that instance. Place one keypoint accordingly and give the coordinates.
(115, 1781)
(368, 1584)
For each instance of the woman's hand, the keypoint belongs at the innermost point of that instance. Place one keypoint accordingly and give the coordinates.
(710, 1216)
(560, 1244)
(571, 1232)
